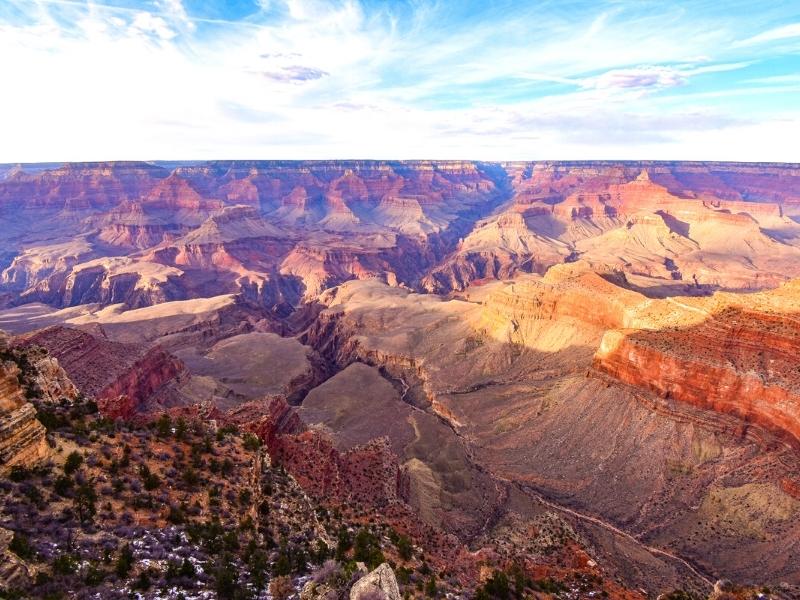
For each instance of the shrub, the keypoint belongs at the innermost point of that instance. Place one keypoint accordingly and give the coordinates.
(150, 480)
(143, 581)
(176, 515)
(84, 502)
(251, 442)
(281, 588)
(65, 564)
(187, 569)
(326, 572)
(62, 485)
(19, 473)
(181, 430)
(51, 419)
(164, 426)
(430, 588)
(367, 549)
(258, 564)
(32, 493)
(94, 575)
(550, 586)
(495, 588)
(73, 462)
(226, 580)
(124, 562)
(190, 477)
(404, 547)
(344, 544)
(283, 564)
(21, 546)
(230, 540)
(323, 552)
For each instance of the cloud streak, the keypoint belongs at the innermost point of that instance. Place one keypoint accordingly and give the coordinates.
(296, 74)
(784, 32)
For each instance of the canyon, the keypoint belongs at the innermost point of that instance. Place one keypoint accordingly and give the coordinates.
(478, 354)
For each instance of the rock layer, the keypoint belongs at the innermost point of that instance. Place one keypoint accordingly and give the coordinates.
(22, 437)
(736, 362)
(123, 378)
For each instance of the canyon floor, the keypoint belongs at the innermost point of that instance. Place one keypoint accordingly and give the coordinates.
(580, 375)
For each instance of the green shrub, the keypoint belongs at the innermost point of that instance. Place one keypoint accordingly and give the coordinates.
(164, 426)
(84, 502)
(251, 442)
(19, 473)
(73, 463)
(495, 588)
(367, 549)
(65, 564)
(21, 546)
(150, 480)
(94, 575)
(62, 485)
(124, 562)
(404, 547)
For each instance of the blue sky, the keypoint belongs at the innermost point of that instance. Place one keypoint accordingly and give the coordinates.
(195, 79)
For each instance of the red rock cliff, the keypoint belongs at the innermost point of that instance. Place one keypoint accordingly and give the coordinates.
(123, 378)
(736, 362)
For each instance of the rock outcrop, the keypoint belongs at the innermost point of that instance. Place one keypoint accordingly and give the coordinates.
(378, 583)
(15, 573)
(22, 437)
(736, 362)
(369, 474)
(122, 378)
(51, 382)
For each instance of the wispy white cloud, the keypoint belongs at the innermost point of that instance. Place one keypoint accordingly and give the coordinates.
(638, 77)
(295, 74)
(791, 30)
(307, 78)
(148, 23)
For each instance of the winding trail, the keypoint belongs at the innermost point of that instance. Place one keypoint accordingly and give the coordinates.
(616, 530)
(685, 306)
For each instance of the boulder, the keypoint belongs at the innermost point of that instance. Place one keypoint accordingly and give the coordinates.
(15, 573)
(379, 583)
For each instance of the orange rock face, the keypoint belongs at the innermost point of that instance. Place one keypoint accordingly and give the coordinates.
(734, 354)
(737, 362)
(22, 437)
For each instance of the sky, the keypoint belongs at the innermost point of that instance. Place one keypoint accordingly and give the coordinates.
(460, 79)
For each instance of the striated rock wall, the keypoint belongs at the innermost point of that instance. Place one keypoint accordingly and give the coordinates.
(123, 378)
(22, 437)
(52, 381)
(564, 308)
(729, 353)
(736, 362)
